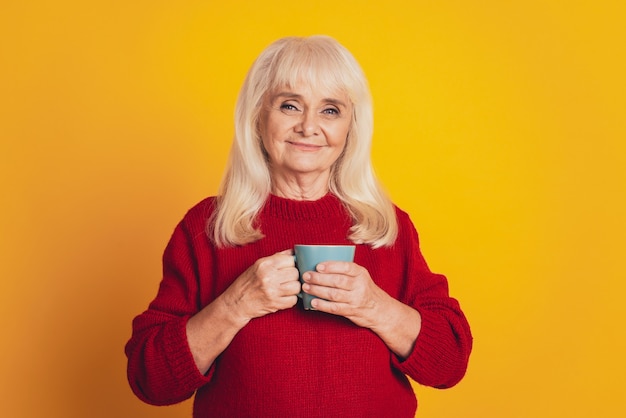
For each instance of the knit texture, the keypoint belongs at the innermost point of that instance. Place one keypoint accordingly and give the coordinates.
(294, 363)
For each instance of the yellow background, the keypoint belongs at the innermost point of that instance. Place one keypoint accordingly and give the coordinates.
(499, 127)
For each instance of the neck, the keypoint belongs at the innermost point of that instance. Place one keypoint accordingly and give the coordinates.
(301, 188)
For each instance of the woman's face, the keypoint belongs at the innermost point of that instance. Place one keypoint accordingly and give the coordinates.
(304, 131)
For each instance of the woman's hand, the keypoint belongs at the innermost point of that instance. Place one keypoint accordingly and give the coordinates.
(269, 285)
(347, 289)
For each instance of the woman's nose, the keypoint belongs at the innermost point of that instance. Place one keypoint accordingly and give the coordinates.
(309, 124)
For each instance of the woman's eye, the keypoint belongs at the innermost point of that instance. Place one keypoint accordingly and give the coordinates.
(288, 106)
(331, 111)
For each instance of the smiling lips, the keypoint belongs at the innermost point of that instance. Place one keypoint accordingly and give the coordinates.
(305, 146)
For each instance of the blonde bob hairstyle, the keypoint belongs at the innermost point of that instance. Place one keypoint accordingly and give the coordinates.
(247, 184)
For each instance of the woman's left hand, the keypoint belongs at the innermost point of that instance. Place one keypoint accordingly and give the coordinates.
(346, 289)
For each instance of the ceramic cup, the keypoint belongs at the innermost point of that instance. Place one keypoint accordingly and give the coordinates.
(309, 256)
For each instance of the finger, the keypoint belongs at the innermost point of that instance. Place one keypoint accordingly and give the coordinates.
(329, 293)
(290, 301)
(339, 281)
(335, 308)
(284, 259)
(338, 267)
(290, 288)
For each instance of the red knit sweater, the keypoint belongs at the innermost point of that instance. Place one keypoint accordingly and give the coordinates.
(294, 362)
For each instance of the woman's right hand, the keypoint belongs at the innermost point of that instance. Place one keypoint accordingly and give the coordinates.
(269, 285)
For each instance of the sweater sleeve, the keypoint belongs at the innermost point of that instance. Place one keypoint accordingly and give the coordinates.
(161, 369)
(441, 352)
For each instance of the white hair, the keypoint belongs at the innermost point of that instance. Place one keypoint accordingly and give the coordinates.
(323, 63)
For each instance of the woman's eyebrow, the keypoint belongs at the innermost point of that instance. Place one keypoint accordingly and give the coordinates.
(291, 95)
(336, 102)
(288, 94)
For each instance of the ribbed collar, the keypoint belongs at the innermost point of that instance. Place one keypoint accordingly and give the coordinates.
(325, 207)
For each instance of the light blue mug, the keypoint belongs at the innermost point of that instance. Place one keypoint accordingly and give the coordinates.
(307, 258)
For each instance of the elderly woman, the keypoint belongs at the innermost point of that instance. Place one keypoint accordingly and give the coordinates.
(226, 323)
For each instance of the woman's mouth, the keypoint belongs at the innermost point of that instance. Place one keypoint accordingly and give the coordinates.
(305, 146)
